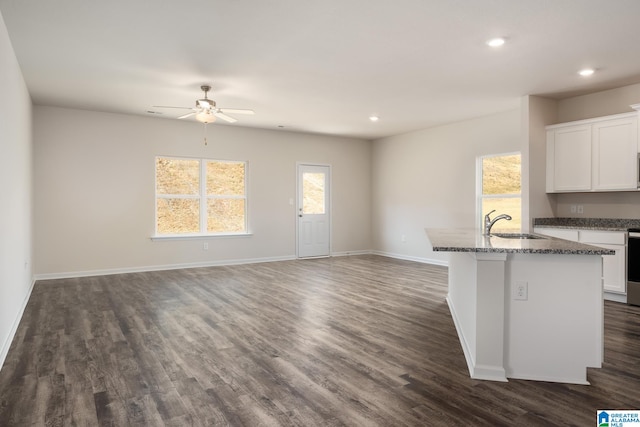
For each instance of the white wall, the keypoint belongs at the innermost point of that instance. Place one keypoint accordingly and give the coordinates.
(94, 191)
(599, 205)
(427, 179)
(15, 193)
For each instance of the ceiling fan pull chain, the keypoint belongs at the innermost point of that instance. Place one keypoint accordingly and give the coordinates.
(205, 134)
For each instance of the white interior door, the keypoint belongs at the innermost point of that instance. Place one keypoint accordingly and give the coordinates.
(314, 215)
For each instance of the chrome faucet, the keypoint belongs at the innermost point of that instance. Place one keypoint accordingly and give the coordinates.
(488, 222)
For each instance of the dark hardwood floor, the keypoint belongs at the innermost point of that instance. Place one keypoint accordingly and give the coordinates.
(354, 341)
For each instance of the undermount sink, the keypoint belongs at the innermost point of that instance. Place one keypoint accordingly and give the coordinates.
(516, 236)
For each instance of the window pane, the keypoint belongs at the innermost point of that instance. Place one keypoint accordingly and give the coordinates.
(313, 193)
(225, 178)
(178, 216)
(225, 215)
(510, 206)
(177, 176)
(501, 175)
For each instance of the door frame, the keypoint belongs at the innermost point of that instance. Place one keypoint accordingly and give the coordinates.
(298, 205)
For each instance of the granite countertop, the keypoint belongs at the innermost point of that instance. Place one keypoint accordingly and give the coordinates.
(604, 224)
(472, 240)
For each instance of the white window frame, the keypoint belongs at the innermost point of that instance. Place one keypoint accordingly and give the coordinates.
(203, 199)
(480, 197)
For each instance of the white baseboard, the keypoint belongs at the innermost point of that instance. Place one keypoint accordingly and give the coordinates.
(106, 272)
(349, 253)
(478, 372)
(412, 258)
(611, 296)
(4, 350)
(468, 355)
(72, 274)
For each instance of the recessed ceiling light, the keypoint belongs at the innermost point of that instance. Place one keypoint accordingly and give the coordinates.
(586, 72)
(374, 118)
(497, 42)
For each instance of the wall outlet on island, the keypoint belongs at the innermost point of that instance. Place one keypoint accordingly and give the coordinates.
(520, 291)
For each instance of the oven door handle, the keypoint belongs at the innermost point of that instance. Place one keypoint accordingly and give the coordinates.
(635, 235)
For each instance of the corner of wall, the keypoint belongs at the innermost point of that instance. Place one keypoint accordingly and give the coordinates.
(537, 112)
(16, 167)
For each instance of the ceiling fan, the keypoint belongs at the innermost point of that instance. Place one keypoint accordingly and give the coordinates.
(206, 110)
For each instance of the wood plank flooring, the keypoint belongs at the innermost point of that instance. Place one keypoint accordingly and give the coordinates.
(350, 341)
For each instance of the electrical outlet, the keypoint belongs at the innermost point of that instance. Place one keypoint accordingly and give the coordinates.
(573, 208)
(205, 246)
(520, 291)
(580, 209)
(403, 238)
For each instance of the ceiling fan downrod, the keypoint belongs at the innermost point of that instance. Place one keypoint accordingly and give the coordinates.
(205, 89)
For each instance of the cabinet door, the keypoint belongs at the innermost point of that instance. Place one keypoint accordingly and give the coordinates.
(569, 149)
(615, 149)
(614, 275)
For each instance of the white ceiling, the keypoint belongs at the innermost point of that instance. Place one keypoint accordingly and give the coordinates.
(321, 66)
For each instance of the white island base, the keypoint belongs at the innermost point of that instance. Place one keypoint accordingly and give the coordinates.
(555, 334)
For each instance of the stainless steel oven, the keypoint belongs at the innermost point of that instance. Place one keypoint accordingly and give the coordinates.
(633, 267)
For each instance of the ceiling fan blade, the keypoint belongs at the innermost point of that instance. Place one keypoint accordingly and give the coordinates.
(223, 116)
(186, 115)
(236, 111)
(167, 106)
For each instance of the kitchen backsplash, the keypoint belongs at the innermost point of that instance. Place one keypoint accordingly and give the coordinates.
(598, 205)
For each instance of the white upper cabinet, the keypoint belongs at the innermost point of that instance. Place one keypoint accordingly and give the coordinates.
(598, 154)
(615, 151)
(569, 158)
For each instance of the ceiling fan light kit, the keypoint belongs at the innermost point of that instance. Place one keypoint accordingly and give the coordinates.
(205, 116)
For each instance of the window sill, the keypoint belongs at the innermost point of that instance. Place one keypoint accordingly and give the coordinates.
(201, 236)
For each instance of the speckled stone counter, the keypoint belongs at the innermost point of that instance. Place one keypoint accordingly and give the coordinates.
(605, 224)
(471, 240)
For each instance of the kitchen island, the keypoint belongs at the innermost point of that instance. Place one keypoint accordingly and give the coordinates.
(527, 308)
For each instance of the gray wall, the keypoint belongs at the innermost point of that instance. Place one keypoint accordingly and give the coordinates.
(537, 112)
(16, 264)
(94, 187)
(427, 178)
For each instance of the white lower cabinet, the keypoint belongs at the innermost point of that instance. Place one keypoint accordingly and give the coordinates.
(560, 233)
(614, 271)
(614, 267)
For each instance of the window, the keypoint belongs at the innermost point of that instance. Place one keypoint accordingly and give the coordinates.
(200, 196)
(313, 194)
(499, 179)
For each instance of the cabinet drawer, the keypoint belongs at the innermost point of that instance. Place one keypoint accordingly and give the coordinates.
(605, 237)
